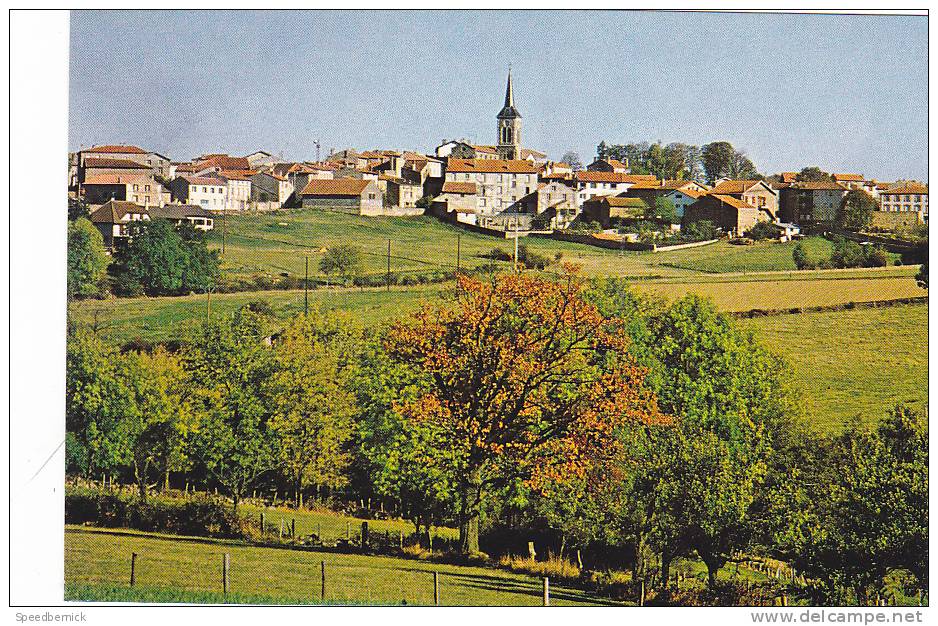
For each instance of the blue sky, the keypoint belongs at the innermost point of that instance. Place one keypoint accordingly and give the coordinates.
(847, 93)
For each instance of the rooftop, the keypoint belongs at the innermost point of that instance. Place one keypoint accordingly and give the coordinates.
(490, 166)
(335, 187)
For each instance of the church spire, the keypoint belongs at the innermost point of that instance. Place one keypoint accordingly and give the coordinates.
(509, 91)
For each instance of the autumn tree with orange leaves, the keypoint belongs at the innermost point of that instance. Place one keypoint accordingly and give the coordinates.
(524, 378)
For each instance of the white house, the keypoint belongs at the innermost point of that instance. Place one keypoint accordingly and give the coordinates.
(207, 192)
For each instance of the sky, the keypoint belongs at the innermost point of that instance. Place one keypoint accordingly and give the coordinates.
(846, 93)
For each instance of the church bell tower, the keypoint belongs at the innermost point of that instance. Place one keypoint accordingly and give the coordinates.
(509, 126)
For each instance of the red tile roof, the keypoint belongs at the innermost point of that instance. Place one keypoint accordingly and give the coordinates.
(112, 179)
(335, 187)
(203, 180)
(848, 177)
(614, 177)
(115, 164)
(459, 187)
(225, 162)
(736, 203)
(819, 185)
(117, 149)
(788, 177)
(906, 188)
(113, 211)
(734, 186)
(490, 166)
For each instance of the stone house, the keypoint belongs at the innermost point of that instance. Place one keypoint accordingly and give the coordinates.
(113, 219)
(347, 195)
(754, 193)
(178, 213)
(728, 213)
(610, 209)
(458, 201)
(910, 198)
(158, 164)
(815, 201)
(608, 165)
(599, 183)
(268, 187)
(503, 187)
(138, 188)
(207, 192)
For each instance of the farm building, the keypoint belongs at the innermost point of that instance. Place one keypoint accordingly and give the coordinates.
(605, 209)
(347, 195)
(728, 213)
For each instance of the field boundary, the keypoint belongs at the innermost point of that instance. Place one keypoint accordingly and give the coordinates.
(872, 304)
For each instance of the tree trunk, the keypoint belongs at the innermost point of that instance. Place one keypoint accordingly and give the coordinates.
(469, 514)
(166, 479)
(563, 544)
(665, 568)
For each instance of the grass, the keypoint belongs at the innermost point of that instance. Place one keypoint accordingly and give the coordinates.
(162, 319)
(97, 566)
(330, 525)
(853, 362)
(763, 256)
(787, 292)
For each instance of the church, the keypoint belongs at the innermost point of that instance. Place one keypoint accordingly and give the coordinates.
(508, 145)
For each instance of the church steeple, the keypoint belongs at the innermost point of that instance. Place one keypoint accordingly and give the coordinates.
(509, 110)
(509, 125)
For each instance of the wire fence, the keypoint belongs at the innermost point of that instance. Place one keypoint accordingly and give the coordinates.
(132, 561)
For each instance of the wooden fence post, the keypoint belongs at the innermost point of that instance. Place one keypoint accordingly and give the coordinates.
(401, 538)
(225, 563)
(323, 569)
(133, 568)
(641, 599)
(281, 528)
(293, 529)
(546, 592)
(348, 530)
(436, 588)
(262, 525)
(364, 535)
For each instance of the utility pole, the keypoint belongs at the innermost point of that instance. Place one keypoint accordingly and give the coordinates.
(306, 288)
(457, 253)
(516, 245)
(224, 229)
(388, 281)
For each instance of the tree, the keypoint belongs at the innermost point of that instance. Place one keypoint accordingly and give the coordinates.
(717, 158)
(922, 277)
(857, 508)
(228, 365)
(156, 431)
(855, 211)
(572, 159)
(396, 458)
(800, 257)
(524, 380)
(166, 262)
(732, 405)
(664, 211)
(98, 397)
(87, 259)
(77, 208)
(344, 260)
(312, 406)
(813, 175)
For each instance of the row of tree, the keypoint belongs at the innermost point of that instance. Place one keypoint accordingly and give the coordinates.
(656, 431)
(707, 163)
(159, 258)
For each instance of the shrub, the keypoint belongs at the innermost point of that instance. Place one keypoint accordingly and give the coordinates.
(553, 567)
(199, 516)
(800, 257)
(876, 257)
(763, 230)
(699, 231)
(126, 286)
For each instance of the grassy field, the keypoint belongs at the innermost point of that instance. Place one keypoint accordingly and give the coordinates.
(331, 526)
(763, 256)
(162, 319)
(97, 565)
(787, 292)
(854, 362)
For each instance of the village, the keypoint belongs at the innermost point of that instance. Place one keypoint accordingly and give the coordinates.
(504, 189)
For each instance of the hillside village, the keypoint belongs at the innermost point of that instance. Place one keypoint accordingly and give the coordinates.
(501, 189)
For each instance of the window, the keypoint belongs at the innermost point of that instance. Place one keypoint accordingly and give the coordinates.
(146, 188)
(203, 202)
(371, 196)
(136, 188)
(204, 190)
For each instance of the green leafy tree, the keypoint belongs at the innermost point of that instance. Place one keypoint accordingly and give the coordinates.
(228, 365)
(156, 431)
(813, 175)
(87, 259)
(717, 158)
(857, 509)
(160, 259)
(855, 211)
(395, 458)
(344, 260)
(800, 257)
(77, 208)
(664, 210)
(98, 399)
(312, 406)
